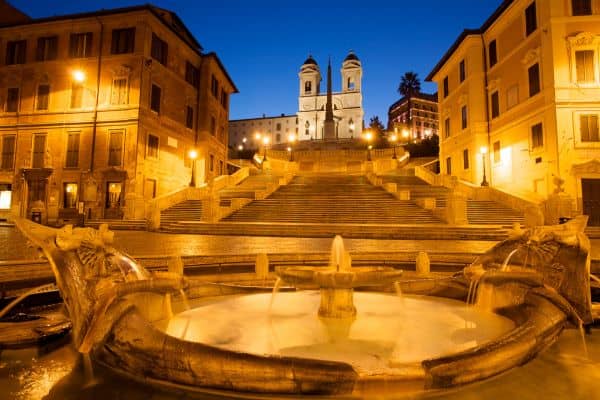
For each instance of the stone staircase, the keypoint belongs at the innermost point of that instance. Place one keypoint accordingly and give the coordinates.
(332, 199)
(479, 212)
(189, 210)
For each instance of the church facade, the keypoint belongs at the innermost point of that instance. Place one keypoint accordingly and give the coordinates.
(310, 120)
(347, 106)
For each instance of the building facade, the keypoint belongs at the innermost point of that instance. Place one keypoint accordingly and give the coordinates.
(519, 97)
(417, 120)
(242, 132)
(100, 111)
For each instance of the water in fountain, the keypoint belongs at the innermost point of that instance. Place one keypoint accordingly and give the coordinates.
(22, 297)
(338, 259)
(507, 260)
(186, 303)
(275, 291)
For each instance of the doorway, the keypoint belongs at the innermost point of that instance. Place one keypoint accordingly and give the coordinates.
(590, 191)
(114, 196)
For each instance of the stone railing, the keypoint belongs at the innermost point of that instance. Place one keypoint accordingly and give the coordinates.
(334, 154)
(160, 203)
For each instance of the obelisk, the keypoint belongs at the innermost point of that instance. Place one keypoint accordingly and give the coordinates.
(329, 123)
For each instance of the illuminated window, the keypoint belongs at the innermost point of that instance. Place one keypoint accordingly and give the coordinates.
(537, 136)
(70, 195)
(123, 41)
(43, 93)
(120, 91)
(76, 95)
(588, 127)
(39, 151)
(152, 148)
(584, 65)
(46, 48)
(115, 148)
(8, 152)
(12, 100)
(497, 153)
(534, 79)
(72, 150)
(5, 196)
(530, 19)
(80, 45)
(581, 7)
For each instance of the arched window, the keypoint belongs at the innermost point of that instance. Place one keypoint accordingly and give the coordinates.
(307, 87)
(351, 85)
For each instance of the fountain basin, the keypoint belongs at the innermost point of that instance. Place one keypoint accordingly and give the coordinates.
(311, 277)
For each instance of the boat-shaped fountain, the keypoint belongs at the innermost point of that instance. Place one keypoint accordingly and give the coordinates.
(352, 336)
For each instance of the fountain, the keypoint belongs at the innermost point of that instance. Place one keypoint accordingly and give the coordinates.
(333, 341)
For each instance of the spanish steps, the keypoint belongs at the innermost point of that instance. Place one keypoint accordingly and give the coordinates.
(333, 199)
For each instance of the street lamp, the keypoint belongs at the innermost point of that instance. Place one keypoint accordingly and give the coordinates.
(265, 143)
(369, 137)
(483, 150)
(291, 140)
(78, 75)
(394, 139)
(193, 154)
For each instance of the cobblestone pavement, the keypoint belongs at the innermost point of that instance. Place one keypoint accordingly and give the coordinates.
(13, 246)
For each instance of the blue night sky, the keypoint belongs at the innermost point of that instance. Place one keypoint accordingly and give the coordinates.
(263, 42)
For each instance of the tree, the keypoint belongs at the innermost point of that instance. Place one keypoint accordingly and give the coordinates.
(410, 85)
(378, 130)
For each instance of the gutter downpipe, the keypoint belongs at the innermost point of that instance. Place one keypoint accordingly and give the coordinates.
(95, 120)
(487, 110)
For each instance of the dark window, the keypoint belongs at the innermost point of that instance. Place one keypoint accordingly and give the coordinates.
(495, 100)
(447, 128)
(73, 150)
(123, 41)
(537, 136)
(213, 126)
(160, 49)
(80, 45)
(39, 151)
(8, 152)
(189, 117)
(155, 98)
(446, 87)
(115, 148)
(214, 86)
(493, 53)
(43, 93)
(152, 151)
(12, 100)
(76, 95)
(191, 74)
(530, 19)
(15, 52)
(449, 166)
(307, 87)
(224, 98)
(120, 91)
(220, 167)
(464, 119)
(466, 159)
(581, 7)
(584, 65)
(589, 128)
(278, 126)
(534, 80)
(462, 71)
(212, 163)
(47, 48)
(497, 153)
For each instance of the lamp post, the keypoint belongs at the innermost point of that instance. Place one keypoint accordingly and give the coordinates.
(394, 139)
(483, 150)
(369, 137)
(291, 140)
(193, 154)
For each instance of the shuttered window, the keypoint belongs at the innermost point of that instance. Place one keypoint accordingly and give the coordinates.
(584, 65)
(589, 128)
(8, 152)
(39, 150)
(73, 150)
(115, 148)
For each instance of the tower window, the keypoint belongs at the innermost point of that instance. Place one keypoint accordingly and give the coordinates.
(307, 87)
(351, 85)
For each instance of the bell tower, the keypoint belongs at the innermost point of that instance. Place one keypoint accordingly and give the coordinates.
(310, 78)
(351, 73)
(351, 124)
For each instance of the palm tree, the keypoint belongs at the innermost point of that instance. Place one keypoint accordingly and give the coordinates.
(410, 84)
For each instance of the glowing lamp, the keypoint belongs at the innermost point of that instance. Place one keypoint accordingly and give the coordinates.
(78, 76)
(193, 154)
(483, 150)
